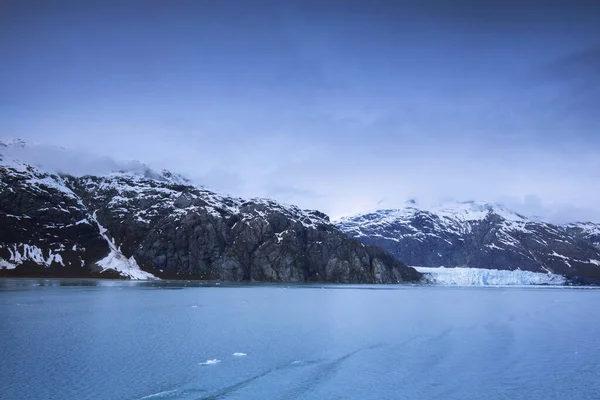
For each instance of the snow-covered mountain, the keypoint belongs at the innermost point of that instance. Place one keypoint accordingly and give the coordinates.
(141, 224)
(479, 235)
(588, 231)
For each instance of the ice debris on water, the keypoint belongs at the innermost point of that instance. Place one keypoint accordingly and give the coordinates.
(210, 362)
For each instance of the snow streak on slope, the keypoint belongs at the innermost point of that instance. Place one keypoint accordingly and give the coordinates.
(115, 260)
(488, 277)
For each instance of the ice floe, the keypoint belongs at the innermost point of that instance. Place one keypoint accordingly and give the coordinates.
(210, 362)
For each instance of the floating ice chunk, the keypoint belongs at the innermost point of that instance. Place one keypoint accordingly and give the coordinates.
(240, 354)
(162, 395)
(210, 362)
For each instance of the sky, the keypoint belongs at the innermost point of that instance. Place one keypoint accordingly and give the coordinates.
(342, 106)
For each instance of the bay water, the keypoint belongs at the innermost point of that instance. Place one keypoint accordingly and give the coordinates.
(94, 339)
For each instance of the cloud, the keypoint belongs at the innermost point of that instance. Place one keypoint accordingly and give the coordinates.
(475, 14)
(65, 161)
(581, 64)
(218, 179)
(292, 195)
(575, 80)
(532, 205)
(333, 105)
(579, 77)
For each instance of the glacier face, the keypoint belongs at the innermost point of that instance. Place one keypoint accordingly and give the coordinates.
(487, 277)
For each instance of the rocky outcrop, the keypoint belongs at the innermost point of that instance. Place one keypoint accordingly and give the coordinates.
(158, 225)
(479, 235)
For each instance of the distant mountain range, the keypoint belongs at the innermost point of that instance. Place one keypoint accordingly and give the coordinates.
(480, 235)
(144, 225)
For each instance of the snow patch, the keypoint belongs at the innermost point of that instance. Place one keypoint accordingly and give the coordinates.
(126, 267)
(6, 265)
(19, 253)
(53, 183)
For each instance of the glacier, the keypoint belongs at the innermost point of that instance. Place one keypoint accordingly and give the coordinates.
(487, 277)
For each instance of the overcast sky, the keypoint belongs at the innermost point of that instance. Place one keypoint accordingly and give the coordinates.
(340, 105)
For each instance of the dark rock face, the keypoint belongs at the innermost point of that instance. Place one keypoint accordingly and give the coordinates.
(124, 224)
(44, 229)
(479, 235)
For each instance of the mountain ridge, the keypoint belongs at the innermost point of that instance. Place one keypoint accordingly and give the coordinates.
(479, 235)
(144, 224)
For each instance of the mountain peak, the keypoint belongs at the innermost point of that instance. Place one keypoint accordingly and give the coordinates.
(475, 210)
(479, 234)
(469, 210)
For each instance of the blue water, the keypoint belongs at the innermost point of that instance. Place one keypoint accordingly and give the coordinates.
(126, 340)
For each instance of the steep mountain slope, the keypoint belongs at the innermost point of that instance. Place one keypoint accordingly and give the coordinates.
(586, 231)
(478, 235)
(146, 225)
